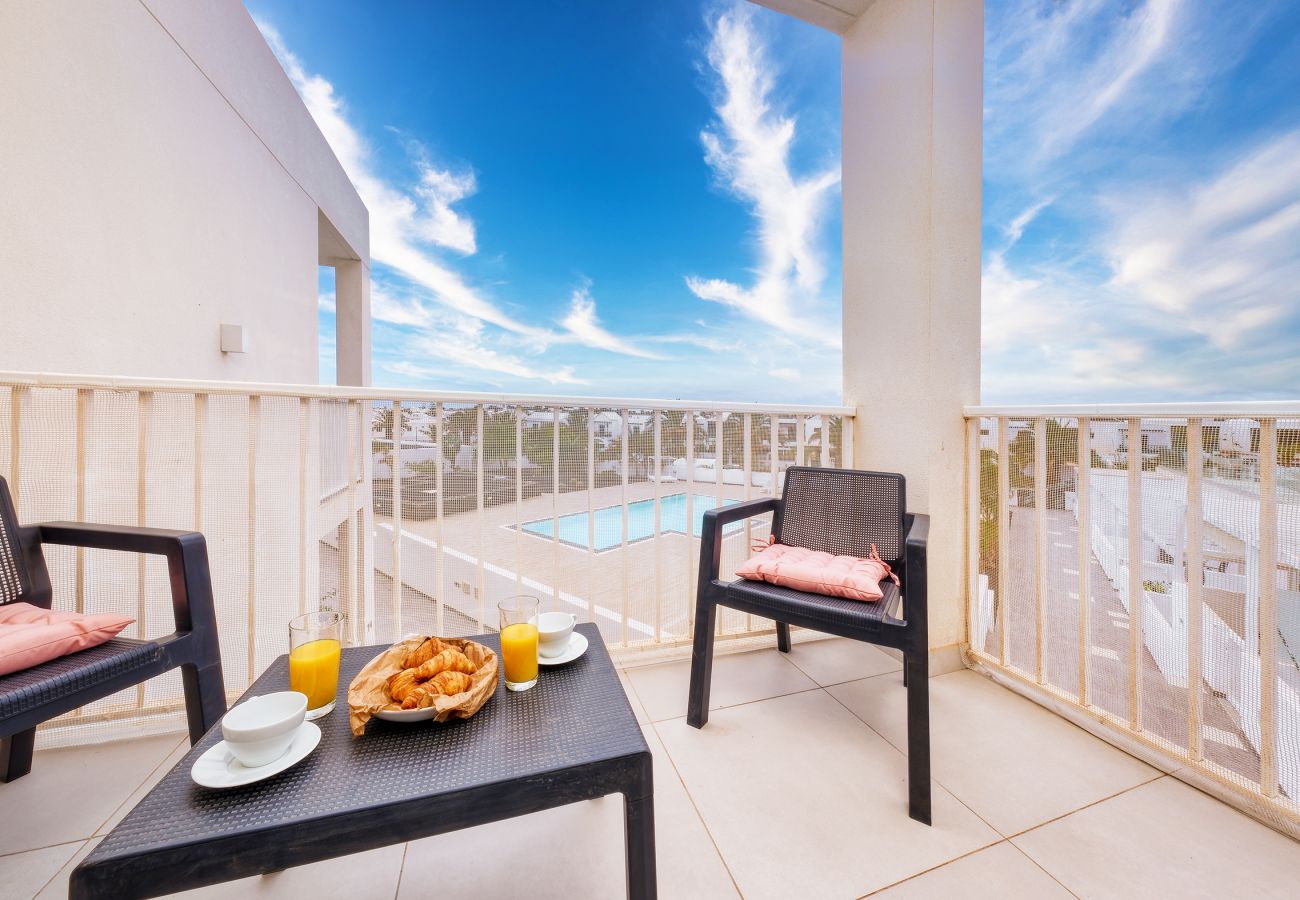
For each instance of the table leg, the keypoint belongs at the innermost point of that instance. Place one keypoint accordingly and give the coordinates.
(639, 829)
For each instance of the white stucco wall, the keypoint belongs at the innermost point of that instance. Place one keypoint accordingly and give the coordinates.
(912, 130)
(159, 176)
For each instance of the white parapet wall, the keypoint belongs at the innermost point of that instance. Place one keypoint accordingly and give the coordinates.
(161, 177)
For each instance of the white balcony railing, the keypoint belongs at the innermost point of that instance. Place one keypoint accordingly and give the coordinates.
(1141, 566)
(592, 504)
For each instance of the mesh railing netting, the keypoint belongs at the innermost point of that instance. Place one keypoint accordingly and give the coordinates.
(406, 515)
(1085, 554)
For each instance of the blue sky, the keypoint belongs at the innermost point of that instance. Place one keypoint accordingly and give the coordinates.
(642, 199)
(634, 199)
(1141, 200)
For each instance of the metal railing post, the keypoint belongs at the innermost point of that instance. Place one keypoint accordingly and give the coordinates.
(1083, 515)
(1135, 534)
(1040, 543)
(1195, 519)
(395, 497)
(1002, 606)
(1268, 778)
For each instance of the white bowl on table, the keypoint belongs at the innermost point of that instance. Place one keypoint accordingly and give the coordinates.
(260, 730)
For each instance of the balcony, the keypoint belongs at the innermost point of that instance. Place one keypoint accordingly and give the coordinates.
(796, 788)
(332, 497)
(1115, 592)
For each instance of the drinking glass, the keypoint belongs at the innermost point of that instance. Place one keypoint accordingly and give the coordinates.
(315, 643)
(519, 641)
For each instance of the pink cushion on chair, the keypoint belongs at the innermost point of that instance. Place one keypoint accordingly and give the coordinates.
(30, 635)
(818, 572)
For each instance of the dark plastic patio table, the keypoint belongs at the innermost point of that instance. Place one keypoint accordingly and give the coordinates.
(572, 737)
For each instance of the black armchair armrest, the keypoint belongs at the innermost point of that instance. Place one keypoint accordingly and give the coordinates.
(187, 562)
(711, 533)
(131, 538)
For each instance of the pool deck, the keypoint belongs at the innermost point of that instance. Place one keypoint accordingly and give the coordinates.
(636, 589)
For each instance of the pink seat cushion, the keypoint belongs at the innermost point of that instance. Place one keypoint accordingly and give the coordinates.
(818, 572)
(30, 635)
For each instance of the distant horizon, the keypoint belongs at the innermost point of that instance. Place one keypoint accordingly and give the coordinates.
(644, 201)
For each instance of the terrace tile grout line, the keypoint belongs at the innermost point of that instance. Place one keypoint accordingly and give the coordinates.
(903, 754)
(695, 808)
(682, 781)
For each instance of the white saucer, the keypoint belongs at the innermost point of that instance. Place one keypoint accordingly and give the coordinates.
(218, 768)
(577, 647)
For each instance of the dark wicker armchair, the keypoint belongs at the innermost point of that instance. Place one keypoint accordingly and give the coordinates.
(42, 692)
(843, 512)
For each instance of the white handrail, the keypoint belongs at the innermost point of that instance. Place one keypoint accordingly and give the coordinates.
(335, 392)
(1218, 409)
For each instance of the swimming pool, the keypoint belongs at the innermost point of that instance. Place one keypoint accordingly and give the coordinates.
(608, 521)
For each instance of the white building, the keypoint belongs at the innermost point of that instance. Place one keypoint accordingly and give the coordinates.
(183, 187)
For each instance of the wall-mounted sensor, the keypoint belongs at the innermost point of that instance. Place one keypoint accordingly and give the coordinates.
(234, 339)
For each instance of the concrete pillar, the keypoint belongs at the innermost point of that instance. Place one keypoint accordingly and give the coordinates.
(912, 141)
(352, 321)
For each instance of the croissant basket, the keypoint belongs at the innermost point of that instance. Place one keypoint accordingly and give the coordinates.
(368, 692)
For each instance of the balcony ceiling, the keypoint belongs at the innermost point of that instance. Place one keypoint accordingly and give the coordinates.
(833, 15)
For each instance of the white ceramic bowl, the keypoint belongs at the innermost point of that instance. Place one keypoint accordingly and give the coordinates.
(553, 632)
(260, 730)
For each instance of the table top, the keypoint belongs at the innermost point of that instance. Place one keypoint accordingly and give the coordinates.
(575, 716)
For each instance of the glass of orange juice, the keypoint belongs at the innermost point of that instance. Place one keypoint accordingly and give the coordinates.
(519, 641)
(314, 648)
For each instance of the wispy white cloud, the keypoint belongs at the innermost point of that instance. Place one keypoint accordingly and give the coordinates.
(434, 324)
(442, 225)
(407, 223)
(583, 324)
(1202, 299)
(452, 352)
(402, 223)
(1057, 70)
(748, 148)
(1164, 272)
(1220, 259)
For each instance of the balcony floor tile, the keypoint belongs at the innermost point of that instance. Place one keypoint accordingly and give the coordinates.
(1165, 839)
(1000, 872)
(802, 799)
(359, 876)
(573, 851)
(1011, 761)
(737, 678)
(182, 747)
(57, 889)
(22, 875)
(791, 795)
(71, 792)
(837, 660)
(638, 709)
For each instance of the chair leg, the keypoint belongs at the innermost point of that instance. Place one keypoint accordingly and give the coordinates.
(783, 637)
(16, 755)
(916, 672)
(205, 698)
(697, 708)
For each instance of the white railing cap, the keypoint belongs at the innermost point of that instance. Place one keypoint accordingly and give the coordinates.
(335, 392)
(1254, 409)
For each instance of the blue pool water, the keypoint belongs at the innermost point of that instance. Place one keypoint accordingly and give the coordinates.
(640, 521)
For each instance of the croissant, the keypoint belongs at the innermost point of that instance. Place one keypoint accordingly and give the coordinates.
(445, 682)
(403, 685)
(423, 653)
(450, 659)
